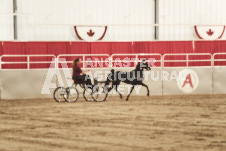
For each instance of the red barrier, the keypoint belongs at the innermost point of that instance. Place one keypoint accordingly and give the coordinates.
(204, 47)
(56, 48)
(111, 47)
(210, 46)
(80, 48)
(13, 48)
(163, 47)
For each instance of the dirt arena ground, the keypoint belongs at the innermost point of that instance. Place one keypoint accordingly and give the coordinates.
(178, 123)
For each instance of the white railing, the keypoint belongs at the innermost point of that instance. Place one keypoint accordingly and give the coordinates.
(136, 58)
(223, 55)
(110, 60)
(187, 60)
(83, 60)
(28, 61)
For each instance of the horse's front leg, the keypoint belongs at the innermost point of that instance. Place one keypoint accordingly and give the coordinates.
(141, 83)
(130, 92)
(116, 89)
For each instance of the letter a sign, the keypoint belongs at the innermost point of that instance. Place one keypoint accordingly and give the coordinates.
(187, 81)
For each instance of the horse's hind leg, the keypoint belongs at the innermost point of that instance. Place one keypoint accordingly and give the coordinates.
(130, 93)
(116, 89)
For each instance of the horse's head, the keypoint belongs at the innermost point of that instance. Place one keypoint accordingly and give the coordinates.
(143, 65)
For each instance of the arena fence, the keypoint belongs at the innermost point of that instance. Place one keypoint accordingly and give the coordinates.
(42, 61)
(187, 60)
(207, 72)
(26, 61)
(87, 60)
(152, 58)
(219, 59)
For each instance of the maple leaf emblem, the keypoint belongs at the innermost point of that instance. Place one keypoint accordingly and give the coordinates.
(210, 32)
(90, 33)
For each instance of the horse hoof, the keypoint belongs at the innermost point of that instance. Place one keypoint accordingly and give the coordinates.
(120, 97)
(148, 94)
(127, 99)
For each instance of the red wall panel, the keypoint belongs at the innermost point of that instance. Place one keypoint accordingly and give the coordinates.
(13, 48)
(57, 48)
(80, 48)
(36, 48)
(101, 48)
(204, 46)
(163, 47)
(210, 46)
(111, 47)
(220, 46)
(122, 47)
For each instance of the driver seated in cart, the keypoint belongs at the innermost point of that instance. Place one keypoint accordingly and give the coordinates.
(80, 76)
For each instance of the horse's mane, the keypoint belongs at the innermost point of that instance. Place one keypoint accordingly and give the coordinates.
(138, 66)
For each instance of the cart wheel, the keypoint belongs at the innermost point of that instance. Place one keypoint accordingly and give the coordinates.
(99, 94)
(71, 94)
(59, 94)
(87, 94)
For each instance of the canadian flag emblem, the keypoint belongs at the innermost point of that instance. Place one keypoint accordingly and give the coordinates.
(90, 33)
(210, 32)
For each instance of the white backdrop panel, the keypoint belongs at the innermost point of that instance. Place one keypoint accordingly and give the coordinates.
(89, 12)
(188, 13)
(6, 20)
